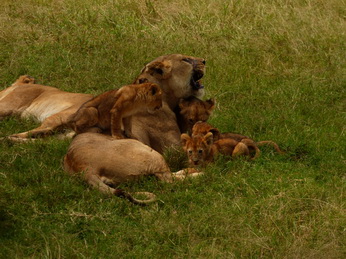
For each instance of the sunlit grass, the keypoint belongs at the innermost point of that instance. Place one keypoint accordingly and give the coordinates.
(277, 71)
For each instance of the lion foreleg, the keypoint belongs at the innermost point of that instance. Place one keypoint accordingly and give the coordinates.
(127, 122)
(116, 119)
(46, 128)
(186, 173)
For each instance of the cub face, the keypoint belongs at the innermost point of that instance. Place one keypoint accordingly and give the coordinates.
(153, 96)
(197, 148)
(193, 110)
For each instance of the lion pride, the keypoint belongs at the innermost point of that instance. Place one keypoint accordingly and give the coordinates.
(178, 76)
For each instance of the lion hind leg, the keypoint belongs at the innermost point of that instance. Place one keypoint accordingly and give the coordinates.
(240, 150)
(8, 107)
(85, 120)
(252, 147)
(5, 113)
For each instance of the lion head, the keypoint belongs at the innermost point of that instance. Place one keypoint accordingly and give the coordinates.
(151, 94)
(179, 76)
(198, 148)
(192, 110)
(25, 79)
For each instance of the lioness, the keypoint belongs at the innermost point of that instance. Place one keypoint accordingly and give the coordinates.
(48, 105)
(108, 111)
(177, 75)
(192, 110)
(201, 149)
(105, 162)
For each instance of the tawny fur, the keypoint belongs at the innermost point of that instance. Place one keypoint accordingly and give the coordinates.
(202, 128)
(106, 162)
(107, 112)
(177, 75)
(201, 149)
(48, 105)
(192, 110)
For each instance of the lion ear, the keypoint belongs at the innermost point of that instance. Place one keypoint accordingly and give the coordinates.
(184, 139)
(208, 138)
(153, 89)
(216, 133)
(182, 103)
(160, 70)
(210, 104)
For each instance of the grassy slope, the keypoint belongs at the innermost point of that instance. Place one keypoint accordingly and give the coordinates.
(277, 71)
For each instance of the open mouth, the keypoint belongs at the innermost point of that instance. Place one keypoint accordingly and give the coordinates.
(195, 80)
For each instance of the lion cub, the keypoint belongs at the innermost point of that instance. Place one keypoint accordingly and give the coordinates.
(202, 149)
(192, 110)
(224, 140)
(107, 112)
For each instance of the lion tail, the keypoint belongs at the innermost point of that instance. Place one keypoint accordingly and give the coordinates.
(150, 196)
(272, 143)
(95, 181)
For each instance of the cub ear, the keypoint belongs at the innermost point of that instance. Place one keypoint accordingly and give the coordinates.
(160, 70)
(184, 139)
(216, 133)
(182, 103)
(210, 104)
(208, 138)
(154, 89)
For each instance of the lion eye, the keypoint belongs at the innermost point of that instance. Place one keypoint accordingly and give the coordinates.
(190, 152)
(200, 151)
(187, 60)
(142, 80)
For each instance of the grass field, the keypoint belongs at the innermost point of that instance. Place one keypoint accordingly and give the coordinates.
(277, 70)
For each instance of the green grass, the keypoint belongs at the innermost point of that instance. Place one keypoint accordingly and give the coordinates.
(277, 71)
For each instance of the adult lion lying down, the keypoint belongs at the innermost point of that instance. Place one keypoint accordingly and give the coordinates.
(105, 162)
(48, 105)
(177, 75)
